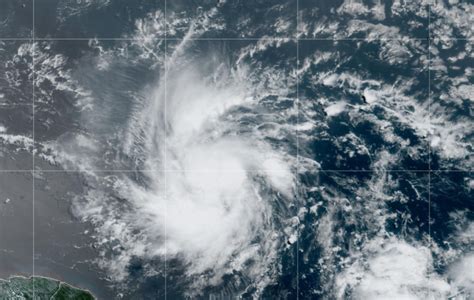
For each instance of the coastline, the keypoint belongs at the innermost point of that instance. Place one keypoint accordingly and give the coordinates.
(51, 287)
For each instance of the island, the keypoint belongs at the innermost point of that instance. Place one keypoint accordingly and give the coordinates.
(19, 287)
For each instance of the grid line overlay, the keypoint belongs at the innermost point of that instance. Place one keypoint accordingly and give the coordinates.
(34, 146)
(230, 171)
(33, 171)
(44, 39)
(165, 144)
(297, 149)
(430, 136)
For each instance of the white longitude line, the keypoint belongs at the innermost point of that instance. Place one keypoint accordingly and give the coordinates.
(165, 148)
(429, 141)
(297, 148)
(34, 145)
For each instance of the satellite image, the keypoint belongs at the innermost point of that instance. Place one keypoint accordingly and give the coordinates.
(236, 149)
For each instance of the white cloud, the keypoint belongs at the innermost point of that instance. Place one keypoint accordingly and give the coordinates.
(394, 269)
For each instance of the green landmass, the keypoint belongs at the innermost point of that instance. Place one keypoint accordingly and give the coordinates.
(21, 288)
